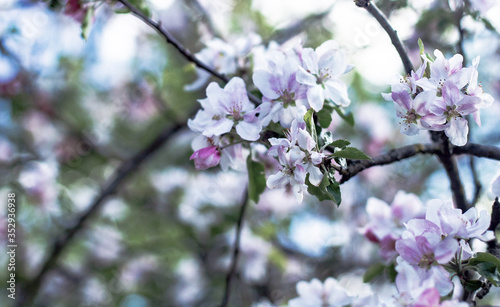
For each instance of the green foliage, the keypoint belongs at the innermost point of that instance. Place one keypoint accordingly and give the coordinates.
(373, 271)
(345, 115)
(488, 266)
(310, 126)
(325, 116)
(329, 189)
(351, 153)
(256, 179)
(87, 22)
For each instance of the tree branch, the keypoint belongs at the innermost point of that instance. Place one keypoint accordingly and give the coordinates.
(392, 156)
(109, 189)
(177, 45)
(382, 20)
(477, 150)
(445, 156)
(495, 221)
(236, 251)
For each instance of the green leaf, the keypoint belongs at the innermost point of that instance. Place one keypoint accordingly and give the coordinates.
(488, 25)
(421, 46)
(373, 271)
(325, 117)
(351, 153)
(87, 22)
(256, 179)
(347, 116)
(329, 189)
(391, 272)
(488, 266)
(473, 285)
(334, 191)
(309, 120)
(484, 257)
(340, 143)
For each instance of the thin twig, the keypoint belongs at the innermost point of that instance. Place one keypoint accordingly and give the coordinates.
(177, 45)
(204, 17)
(392, 156)
(283, 35)
(382, 20)
(109, 189)
(236, 251)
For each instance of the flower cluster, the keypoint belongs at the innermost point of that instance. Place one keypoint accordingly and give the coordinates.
(298, 155)
(296, 81)
(438, 97)
(423, 244)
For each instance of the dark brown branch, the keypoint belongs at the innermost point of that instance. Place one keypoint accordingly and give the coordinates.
(392, 156)
(477, 150)
(60, 243)
(177, 45)
(495, 221)
(477, 183)
(382, 20)
(236, 251)
(445, 156)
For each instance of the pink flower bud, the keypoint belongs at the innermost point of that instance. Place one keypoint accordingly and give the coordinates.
(206, 158)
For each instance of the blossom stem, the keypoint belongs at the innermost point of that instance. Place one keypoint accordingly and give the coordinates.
(236, 251)
(382, 20)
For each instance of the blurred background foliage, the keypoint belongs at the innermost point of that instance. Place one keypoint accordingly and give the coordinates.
(73, 110)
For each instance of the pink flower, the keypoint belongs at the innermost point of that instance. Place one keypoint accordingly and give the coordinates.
(283, 95)
(417, 285)
(387, 222)
(449, 113)
(423, 244)
(411, 110)
(206, 157)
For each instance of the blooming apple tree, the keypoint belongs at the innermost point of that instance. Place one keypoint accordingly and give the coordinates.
(289, 126)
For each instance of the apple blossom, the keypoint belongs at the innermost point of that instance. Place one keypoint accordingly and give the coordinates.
(442, 70)
(206, 157)
(406, 83)
(320, 70)
(282, 94)
(225, 108)
(476, 90)
(415, 284)
(410, 111)
(422, 244)
(449, 113)
(452, 222)
(387, 222)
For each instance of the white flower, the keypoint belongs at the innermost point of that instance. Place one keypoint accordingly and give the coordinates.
(225, 108)
(321, 69)
(315, 294)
